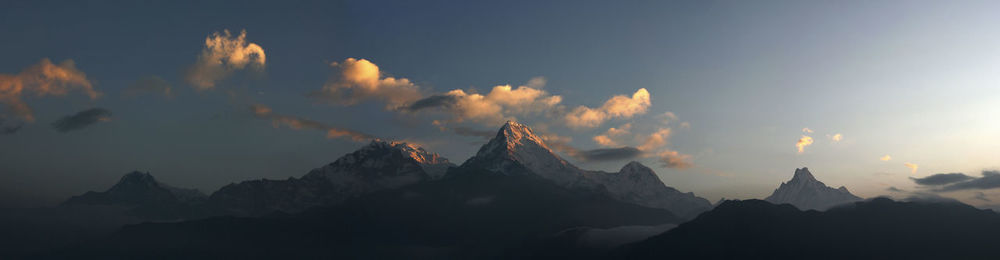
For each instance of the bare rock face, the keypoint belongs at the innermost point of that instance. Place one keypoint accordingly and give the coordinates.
(805, 192)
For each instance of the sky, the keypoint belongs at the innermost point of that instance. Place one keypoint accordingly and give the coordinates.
(715, 96)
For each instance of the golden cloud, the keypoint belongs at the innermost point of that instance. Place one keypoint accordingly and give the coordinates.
(803, 142)
(655, 140)
(222, 55)
(913, 167)
(358, 80)
(500, 104)
(607, 138)
(807, 130)
(42, 79)
(837, 137)
(619, 106)
(885, 158)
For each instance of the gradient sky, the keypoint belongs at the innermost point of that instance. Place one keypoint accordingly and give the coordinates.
(915, 80)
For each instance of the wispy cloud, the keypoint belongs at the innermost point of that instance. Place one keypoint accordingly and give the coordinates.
(837, 137)
(803, 142)
(261, 111)
(9, 129)
(42, 79)
(885, 158)
(913, 167)
(222, 55)
(81, 119)
(807, 130)
(617, 107)
(941, 179)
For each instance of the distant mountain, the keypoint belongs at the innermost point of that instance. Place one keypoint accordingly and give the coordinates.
(377, 166)
(875, 229)
(805, 192)
(516, 150)
(146, 196)
(469, 214)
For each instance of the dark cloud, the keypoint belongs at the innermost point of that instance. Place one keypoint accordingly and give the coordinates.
(149, 85)
(941, 179)
(432, 102)
(990, 180)
(82, 119)
(959, 181)
(465, 131)
(610, 154)
(894, 189)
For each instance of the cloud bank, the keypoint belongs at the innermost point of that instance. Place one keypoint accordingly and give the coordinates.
(81, 119)
(42, 79)
(222, 55)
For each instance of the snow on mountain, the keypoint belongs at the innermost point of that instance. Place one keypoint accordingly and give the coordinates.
(805, 192)
(638, 184)
(377, 166)
(516, 146)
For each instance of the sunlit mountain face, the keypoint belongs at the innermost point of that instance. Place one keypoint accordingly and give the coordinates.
(498, 130)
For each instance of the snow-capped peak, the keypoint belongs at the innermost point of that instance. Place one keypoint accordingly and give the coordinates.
(803, 175)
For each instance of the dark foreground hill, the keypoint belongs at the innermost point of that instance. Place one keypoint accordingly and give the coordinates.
(469, 215)
(879, 229)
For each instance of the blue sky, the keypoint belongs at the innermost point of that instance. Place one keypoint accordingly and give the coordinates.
(914, 80)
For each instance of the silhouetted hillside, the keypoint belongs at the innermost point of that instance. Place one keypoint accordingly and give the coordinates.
(879, 228)
(467, 215)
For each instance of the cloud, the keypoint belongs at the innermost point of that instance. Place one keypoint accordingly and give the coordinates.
(946, 182)
(673, 159)
(501, 103)
(990, 180)
(42, 79)
(222, 55)
(941, 179)
(837, 137)
(913, 167)
(607, 138)
(885, 158)
(894, 189)
(807, 130)
(149, 85)
(358, 80)
(803, 142)
(610, 154)
(81, 119)
(264, 112)
(655, 140)
(619, 106)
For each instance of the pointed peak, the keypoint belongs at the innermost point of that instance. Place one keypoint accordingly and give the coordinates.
(514, 134)
(634, 166)
(803, 174)
(137, 176)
